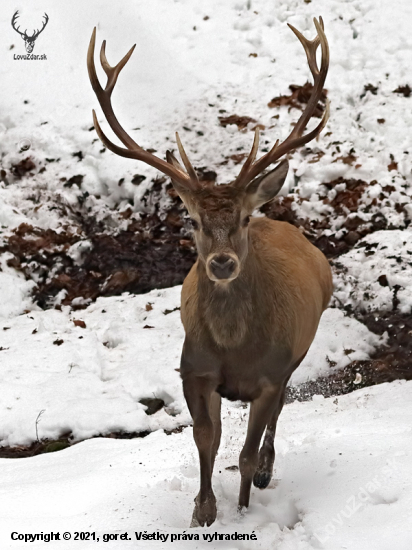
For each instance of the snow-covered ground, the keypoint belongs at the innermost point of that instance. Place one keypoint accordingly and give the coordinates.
(343, 480)
(89, 380)
(343, 474)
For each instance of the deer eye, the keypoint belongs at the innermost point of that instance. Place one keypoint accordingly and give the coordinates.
(194, 224)
(246, 221)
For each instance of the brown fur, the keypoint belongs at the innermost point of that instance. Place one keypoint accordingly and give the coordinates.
(283, 273)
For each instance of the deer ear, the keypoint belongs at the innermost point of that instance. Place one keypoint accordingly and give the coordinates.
(265, 188)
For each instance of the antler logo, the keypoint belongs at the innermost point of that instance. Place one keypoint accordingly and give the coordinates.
(29, 41)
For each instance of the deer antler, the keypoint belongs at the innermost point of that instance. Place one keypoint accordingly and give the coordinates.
(251, 169)
(173, 169)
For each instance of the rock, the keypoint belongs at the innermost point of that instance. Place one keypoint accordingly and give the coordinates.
(153, 404)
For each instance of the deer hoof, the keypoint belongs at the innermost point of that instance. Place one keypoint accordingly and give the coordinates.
(262, 479)
(204, 512)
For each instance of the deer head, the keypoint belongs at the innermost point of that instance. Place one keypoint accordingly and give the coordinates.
(29, 41)
(219, 214)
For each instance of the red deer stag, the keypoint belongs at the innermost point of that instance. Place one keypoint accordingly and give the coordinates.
(252, 302)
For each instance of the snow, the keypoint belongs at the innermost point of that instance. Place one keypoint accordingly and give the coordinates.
(88, 381)
(14, 290)
(343, 479)
(191, 63)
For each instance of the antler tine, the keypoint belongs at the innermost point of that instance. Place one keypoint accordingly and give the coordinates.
(298, 141)
(250, 160)
(91, 67)
(113, 72)
(186, 161)
(295, 138)
(318, 77)
(133, 150)
(310, 47)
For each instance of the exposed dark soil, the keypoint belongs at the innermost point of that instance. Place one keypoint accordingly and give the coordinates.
(51, 446)
(396, 356)
(299, 98)
(345, 203)
(358, 374)
(155, 251)
(240, 121)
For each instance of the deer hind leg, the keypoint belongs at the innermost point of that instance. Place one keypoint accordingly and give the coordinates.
(264, 471)
(261, 411)
(198, 394)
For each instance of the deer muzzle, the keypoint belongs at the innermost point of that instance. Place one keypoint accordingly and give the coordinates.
(223, 267)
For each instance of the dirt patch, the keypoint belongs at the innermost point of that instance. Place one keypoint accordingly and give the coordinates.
(345, 203)
(348, 199)
(390, 362)
(50, 446)
(22, 168)
(359, 374)
(396, 357)
(76, 265)
(136, 260)
(240, 121)
(88, 259)
(371, 88)
(299, 98)
(404, 90)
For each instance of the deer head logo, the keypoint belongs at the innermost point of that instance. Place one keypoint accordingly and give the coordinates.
(29, 41)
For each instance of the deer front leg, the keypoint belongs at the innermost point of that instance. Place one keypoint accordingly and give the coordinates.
(215, 406)
(263, 474)
(198, 394)
(261, 410)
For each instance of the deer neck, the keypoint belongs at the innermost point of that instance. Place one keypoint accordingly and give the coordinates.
(237, 310)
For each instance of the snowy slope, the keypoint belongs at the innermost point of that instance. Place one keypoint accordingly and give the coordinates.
(193, 61)
(343, 479)
(89, 380)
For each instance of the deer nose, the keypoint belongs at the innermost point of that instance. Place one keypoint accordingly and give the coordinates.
(222, 266)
